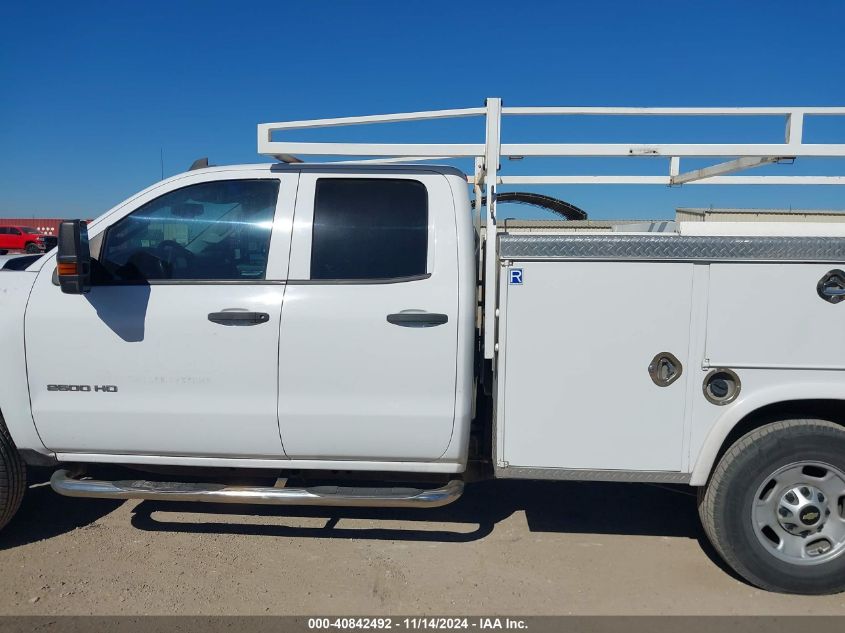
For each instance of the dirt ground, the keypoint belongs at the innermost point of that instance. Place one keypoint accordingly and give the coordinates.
(507, 547)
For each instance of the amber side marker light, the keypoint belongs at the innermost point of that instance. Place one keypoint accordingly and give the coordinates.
(67, 269)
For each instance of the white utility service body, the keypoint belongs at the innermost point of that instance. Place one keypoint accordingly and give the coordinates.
(576, 336)
(328, 318)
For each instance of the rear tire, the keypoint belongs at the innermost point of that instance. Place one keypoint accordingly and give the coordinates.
(773, 508)
(12, 477)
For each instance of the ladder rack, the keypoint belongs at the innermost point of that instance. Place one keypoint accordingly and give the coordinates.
(747, 155)
(487, 155)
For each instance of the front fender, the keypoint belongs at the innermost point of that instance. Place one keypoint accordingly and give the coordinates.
(15, 287)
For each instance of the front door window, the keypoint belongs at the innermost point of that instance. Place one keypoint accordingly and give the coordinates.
(211, 231)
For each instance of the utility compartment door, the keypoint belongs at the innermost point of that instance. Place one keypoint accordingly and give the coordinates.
(771, 316)
(369, 328)
(578, 340)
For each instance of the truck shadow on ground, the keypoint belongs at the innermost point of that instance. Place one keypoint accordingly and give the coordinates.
(590, 508)
(563, 507)
(552, 507)
(44, 514)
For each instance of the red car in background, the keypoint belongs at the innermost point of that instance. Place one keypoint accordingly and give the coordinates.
(21, 238)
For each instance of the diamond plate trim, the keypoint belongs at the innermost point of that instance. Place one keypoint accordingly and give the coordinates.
(672, 247)
(569, 474)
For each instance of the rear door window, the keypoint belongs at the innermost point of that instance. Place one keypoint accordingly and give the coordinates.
(369, 229)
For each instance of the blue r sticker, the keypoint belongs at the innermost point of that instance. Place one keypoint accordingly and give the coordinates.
(515, 276)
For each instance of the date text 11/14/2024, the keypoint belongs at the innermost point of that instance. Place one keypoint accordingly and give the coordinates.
(417, 623)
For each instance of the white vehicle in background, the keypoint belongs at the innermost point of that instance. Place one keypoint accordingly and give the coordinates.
(321, 324)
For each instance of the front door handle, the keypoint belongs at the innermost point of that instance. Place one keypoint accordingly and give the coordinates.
(238, 317)
(417, 319)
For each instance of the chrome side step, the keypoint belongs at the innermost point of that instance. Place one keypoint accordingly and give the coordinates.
(66, 484)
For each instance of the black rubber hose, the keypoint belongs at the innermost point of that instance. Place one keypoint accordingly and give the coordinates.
(561, 207)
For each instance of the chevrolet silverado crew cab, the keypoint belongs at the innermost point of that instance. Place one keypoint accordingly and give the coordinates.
(366, 334)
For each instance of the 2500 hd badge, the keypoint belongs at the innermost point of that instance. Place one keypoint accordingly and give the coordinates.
(84, 388)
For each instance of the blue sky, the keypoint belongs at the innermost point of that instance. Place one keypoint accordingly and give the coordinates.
(90, 93)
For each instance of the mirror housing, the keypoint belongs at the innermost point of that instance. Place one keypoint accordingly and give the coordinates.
(73, 261)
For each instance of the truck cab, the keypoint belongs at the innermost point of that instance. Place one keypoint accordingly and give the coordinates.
(296, 317)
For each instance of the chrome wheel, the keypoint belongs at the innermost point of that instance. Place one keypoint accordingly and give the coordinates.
(797, 513)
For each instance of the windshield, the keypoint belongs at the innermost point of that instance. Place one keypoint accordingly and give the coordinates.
(29, 230)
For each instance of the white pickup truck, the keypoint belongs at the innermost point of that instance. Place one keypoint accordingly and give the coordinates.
(330, 324)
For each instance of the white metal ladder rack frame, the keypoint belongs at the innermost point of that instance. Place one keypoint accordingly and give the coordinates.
(487, 156)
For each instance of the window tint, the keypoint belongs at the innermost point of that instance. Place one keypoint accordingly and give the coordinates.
(367, 228)
(216, 230)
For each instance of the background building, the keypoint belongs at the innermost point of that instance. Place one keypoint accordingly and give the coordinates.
(685, 214)
(48, 226)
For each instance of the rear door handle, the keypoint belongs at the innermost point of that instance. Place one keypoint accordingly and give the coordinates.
(238, 317)
(417, 319)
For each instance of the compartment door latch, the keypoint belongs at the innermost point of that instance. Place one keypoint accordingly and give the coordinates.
(664, 369)
(831, 287)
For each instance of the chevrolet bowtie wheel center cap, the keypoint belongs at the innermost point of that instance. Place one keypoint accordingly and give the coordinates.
(802, 510)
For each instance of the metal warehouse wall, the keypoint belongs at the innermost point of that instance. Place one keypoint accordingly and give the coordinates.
(759, 215)
(48, 226)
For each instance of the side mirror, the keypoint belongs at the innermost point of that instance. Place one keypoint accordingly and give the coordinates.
(74, 258)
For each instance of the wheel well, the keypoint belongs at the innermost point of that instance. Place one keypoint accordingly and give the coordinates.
(830, 410)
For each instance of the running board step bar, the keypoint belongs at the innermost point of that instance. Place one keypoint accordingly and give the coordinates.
(68, 485)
